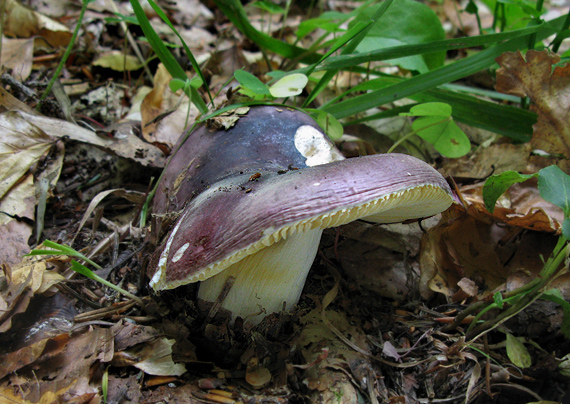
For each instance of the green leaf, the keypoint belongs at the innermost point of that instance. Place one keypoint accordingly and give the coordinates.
(405, 22)
(436, 126)
(289, 86)
(249, 81)
(349, 47)
(498, 298)
(189, 53)
(268, 6)
(445, 74)
(554, 186)
(326, 24)
(177, 84)
(332, 127)
(555, 295)
(517, 352)
(444, 134)
(82, 269)
(496, 185)
(430, 109)
(566, 228)
(234, 11)
(171, 64)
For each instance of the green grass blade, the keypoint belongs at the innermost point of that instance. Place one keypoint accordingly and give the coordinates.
(349, 48)
(171, 64)
(434, 78)
(189, 53)
(236, 14)
(347, 61)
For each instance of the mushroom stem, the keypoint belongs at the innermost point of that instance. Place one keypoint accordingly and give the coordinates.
(268, 281)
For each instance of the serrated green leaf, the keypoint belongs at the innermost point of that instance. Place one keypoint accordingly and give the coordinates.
(496, 185)
(554, 186)
(517, 352)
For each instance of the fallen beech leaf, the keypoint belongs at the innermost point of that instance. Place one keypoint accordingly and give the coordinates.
(130, 146)
(24, 22)
(476, 247)
(164, 112)
(156, 358)
(549, 90)
(17, 55)
(21, 145)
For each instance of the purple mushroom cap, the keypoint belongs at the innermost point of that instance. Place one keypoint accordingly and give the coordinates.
(264, 228)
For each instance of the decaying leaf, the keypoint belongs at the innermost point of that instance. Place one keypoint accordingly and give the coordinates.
(66, 369)
(17, 55)
(548, 87)
(477, 248)
(118, 61)
(155, 358)
(23, 22)
(29, 278)
(130, 146)
(22, 146)
(164, 112)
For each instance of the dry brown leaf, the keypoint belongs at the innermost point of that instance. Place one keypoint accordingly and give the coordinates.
(548, 87)
(17, 55)
(17, 208)
(21, 145)
(521, 206)
(164, 112)
(61, 375)
(479, 249)
(23, 22)
(130, 146)
(29, 278)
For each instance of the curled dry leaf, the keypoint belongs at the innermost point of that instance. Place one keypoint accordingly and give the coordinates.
(130, 146)
(22, 145)
(29, 278)
(465, 246)
(548, 87)
(23, 22)
(164, 112)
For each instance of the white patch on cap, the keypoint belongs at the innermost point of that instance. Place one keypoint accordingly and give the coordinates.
(178, 254)
(315, 146)
(157, 278)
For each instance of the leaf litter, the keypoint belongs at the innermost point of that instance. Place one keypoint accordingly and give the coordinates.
(377, 336)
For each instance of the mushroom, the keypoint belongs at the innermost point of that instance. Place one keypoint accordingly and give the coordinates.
(280, 182)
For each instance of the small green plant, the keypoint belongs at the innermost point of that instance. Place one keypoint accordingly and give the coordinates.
(58, 249)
